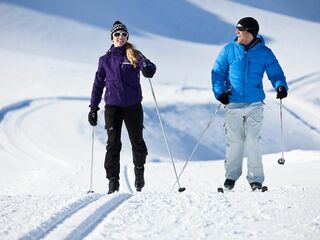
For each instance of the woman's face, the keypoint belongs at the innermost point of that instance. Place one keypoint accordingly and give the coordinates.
(119, 38)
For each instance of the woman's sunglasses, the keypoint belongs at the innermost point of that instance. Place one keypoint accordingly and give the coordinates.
(123, 34)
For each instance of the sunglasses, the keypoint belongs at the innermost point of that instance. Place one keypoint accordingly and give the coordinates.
(241, 28)
(123, 34)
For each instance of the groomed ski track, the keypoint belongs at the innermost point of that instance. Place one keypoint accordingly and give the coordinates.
(81, 217)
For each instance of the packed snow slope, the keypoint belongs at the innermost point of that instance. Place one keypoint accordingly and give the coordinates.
(48, 58)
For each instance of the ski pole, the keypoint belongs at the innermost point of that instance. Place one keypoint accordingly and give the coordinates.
(281, 160)
(91, 174)
(181, 189)
(198, 142)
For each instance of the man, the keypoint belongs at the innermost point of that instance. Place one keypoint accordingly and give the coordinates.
(237, 82)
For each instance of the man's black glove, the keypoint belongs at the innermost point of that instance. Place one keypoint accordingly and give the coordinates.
(224, 98)
(148, 71)
(281, 92)
(93, 116)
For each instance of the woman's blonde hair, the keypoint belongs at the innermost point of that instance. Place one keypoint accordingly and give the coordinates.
(132, 54)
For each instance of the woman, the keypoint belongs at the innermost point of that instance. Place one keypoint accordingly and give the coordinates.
(119, 72)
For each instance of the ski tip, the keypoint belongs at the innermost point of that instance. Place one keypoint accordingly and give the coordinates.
(182, 189)
(220, 190)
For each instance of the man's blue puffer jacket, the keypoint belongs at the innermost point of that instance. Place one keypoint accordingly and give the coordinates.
(242, 71)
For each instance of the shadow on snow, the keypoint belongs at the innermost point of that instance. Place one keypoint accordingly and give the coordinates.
(177, 19)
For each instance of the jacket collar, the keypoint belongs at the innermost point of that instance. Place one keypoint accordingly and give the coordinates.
(117, 50)
(259, 41)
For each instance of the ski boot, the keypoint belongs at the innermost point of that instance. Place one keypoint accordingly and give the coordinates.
(256, 186)
(229, 184)
(113, 185)
(139, 181)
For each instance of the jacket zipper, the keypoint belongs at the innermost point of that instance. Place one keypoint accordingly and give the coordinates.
(246, 76)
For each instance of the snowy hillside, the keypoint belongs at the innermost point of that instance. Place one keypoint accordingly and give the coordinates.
(48, 58)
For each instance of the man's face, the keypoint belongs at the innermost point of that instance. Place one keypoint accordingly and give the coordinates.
(244, 37)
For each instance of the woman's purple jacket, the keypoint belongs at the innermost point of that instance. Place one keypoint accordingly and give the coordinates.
(121, 79)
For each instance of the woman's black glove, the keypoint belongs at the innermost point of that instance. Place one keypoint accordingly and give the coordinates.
(281, 92)
(148, 71)
(93, 116)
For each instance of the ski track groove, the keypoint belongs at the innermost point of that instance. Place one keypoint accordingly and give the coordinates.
(27, 102)
(306, 79)
(96, 217)
(294, 86)
(58, 226)
(297, 114)
(16, 135)
(49, 225)
(19, 137)
(310, 126)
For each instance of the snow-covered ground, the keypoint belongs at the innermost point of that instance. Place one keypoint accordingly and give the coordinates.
(48, 57)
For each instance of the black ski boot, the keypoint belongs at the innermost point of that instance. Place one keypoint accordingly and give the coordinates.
(139, 181)
(256, 186)
(113, 185)
(229, 184)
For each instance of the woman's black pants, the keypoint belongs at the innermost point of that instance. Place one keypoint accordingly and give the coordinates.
(132, 116)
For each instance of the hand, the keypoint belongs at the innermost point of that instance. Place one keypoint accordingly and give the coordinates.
(281, 92)
(148, 71)
(224, 98)
(93, 116)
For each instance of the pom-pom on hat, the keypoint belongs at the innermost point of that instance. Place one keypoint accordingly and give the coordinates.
(117, 25)
(250, 25)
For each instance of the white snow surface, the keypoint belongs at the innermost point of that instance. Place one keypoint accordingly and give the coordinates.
(48, 58)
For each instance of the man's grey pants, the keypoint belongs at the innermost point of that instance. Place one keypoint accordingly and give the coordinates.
(243, 131)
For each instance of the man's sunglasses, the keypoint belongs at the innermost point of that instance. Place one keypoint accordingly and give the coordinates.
(123, 34)
(241, 28)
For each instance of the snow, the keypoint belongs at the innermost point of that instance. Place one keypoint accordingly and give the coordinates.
(48, 57)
